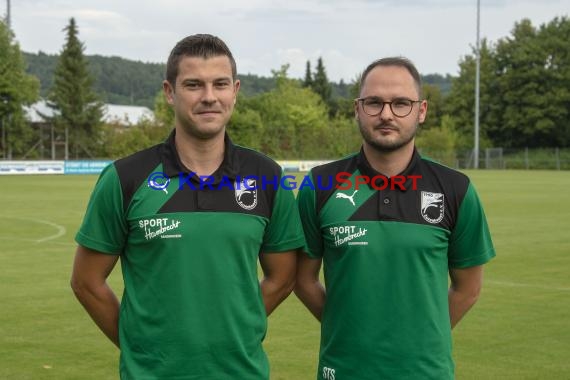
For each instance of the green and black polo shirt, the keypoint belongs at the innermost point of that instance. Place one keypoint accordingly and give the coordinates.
(192, 306)
(386, 256)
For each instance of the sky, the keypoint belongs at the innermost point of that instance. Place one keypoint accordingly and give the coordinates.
(265, 34)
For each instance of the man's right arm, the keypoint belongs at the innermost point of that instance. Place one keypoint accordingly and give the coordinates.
(307, 286)
(89, 283)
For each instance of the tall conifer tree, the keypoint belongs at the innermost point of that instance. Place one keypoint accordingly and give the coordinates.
(308, 81)
(321, 83)
(77, 108)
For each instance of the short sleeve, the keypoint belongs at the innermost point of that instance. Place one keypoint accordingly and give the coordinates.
(306, 200)
(284, 232)
(104, 226)
(470, 241)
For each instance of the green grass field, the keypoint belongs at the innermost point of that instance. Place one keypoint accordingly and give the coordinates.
(520, 328)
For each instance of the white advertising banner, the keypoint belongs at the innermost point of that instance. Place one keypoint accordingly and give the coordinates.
(31, 167)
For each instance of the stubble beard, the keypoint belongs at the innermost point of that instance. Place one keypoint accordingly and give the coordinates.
(385, 145)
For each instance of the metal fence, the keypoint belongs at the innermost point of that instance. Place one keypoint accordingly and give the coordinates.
(500, 158)
(491, 158)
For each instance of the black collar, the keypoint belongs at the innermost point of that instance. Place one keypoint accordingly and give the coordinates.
(172, 165)
(366, 169)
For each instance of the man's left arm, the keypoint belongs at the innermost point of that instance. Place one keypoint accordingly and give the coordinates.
(464, 291)
(278, 280)
(470, 247)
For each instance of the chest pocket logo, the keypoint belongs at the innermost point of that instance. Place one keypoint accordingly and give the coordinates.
(246, 193)
(432, 207)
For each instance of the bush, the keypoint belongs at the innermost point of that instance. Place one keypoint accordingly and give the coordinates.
(439, 143)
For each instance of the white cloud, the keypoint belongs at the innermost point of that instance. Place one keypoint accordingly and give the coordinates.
(264, 34)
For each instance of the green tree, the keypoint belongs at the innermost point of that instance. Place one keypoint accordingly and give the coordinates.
(554, 41)
(163, 112)
(246, 125)
(118, 141)
(439, 143)
(343, 107)
(308, 81)
(321, 84)
(533, 77)
(443, 82)
(522, 87)
(525, 89)
(432, 94)
(343, 137)
(17, 89)
(293, 122)
(460, 103)
(293, 118)
(77, 109)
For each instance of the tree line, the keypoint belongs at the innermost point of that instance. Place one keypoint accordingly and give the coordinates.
(525, 88)
(525, 100)
(118, 80)
(121, 81)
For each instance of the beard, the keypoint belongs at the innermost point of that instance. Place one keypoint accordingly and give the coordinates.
(387, 144)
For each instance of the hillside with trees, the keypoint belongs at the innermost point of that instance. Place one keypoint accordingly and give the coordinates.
(121, 81)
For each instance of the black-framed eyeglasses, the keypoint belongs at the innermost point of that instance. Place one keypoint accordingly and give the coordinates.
(400, 107)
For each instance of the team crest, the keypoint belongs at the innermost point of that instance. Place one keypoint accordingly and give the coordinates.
(432, 207)
(246, 193)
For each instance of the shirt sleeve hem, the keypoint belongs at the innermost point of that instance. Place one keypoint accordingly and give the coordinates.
(474, 261)
(284, 246)
(96, 245)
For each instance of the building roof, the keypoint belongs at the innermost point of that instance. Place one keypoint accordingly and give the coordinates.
(112, 113)
(34, 112)
(126, 115)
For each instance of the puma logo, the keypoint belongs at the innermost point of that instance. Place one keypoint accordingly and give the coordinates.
(349, 197)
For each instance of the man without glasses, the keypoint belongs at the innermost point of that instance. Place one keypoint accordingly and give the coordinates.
(192, 307)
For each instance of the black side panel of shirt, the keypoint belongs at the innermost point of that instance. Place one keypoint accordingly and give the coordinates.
(134, 170)
(324, 172)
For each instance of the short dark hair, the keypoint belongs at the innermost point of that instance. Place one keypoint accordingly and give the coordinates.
(197, 45)
(395, 61)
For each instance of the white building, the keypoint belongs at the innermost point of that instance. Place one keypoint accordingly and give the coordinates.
(112, 113)
(126, 115)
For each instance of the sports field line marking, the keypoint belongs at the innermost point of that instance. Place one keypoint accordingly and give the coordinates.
(70, 244)
(60, 229)
(521, 285)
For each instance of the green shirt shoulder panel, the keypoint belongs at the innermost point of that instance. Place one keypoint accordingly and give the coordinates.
(284, 231)
(104, 226)
(306, 201)
(470, 242)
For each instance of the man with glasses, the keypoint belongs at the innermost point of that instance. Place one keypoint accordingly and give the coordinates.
(387, 311)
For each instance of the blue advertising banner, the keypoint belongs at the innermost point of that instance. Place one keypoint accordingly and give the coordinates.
(85, 167)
